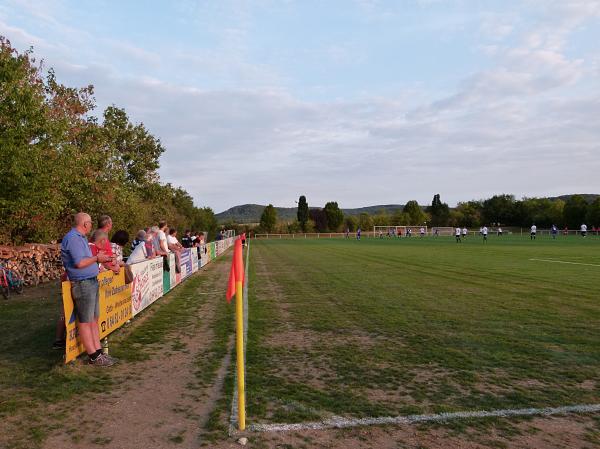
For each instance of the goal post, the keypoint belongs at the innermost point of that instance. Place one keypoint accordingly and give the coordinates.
(398, 231)
(405, 231)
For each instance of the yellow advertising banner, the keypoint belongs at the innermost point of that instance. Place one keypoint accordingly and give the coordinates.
(115, 310)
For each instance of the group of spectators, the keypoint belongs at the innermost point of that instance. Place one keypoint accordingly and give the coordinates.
(83, 260)
(160, 241)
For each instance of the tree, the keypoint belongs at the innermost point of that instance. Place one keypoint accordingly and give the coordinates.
(499, 209)
(57, 160)
(574, 212)
(440, 212)
(467, 214)
(593, 213)
(381, 218)
(350, 223)
(365, 222)
(319, 217)
(268, 219)
(414, 212)
(399, 218)
(131, 147)
(334, 214)
(302, 213)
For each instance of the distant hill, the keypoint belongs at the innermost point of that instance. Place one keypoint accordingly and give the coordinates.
(250, 213)
(589, 197)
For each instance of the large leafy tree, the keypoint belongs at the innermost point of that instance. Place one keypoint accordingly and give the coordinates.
(302, 213)
(440, 212)
(575, 211)
(365, 222)
(593, 213)
(335, 216)
(414, 212)
(319, 218)
(499, 209)
(268, 219)
(57, 159)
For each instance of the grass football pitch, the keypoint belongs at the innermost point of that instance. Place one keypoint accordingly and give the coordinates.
(413, 326)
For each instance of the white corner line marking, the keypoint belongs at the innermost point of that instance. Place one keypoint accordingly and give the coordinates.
(570, 263)
(341, 422)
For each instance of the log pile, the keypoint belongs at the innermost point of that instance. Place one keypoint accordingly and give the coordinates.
(35, 263)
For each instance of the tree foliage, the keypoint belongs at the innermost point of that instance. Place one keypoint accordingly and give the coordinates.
(268, 219)
(414, 212)
(440, 212)
(335, 216)
(302, 212)
(575, 211)
(58, 159)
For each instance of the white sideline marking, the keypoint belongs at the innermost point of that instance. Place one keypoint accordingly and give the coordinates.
(570, 263)
(341, 422)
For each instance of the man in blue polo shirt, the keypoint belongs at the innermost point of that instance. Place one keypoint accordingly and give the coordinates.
(82, 270)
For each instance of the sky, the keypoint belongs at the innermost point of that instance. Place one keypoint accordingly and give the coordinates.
(361, 102)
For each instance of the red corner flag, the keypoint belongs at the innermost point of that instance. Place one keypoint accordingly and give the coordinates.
(236, 274)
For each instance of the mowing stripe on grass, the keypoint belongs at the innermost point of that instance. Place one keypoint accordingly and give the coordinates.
(233, 422)
(570, 263)
(338, 422)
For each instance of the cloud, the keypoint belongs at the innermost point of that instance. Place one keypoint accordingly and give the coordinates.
(523, 124)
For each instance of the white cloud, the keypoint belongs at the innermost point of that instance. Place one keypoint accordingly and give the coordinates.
(522, 125)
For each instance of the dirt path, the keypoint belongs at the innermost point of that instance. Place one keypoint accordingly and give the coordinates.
(159, 402)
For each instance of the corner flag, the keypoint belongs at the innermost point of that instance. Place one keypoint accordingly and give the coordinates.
(236, 274)
(234, 288)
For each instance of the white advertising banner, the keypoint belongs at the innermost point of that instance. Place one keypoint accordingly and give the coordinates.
(195, 263)
(147, 285)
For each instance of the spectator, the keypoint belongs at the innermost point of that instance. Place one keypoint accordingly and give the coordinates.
(159, 244)
(160, 239)
(82, 270)
(175, 247)
(187, 240)
(97, 243)
(172, 242)
(139, 238)
(117, 243)
(105, 224)
(142, 252)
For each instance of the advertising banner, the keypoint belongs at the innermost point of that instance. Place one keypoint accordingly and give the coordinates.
(173, 273)
(185, 261)
(166, 282)
(115, 310)
(147, 285)
(203, 260)
(195, 262)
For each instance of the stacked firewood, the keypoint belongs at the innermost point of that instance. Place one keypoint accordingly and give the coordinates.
(35, 263)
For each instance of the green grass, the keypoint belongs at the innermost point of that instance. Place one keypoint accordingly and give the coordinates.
(386, 327)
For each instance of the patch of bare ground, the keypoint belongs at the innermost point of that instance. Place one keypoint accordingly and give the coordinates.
(539, 433)
(156, 403)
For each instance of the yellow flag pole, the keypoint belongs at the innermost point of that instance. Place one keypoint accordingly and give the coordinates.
(239, 349)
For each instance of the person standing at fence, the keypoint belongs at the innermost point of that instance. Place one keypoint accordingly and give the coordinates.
(358, 234)
(554, 231)
(139, 239)
(142, 251)
(187, 240)
(533, 232)
(117, 243)
(82, 269)
(105, 224)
